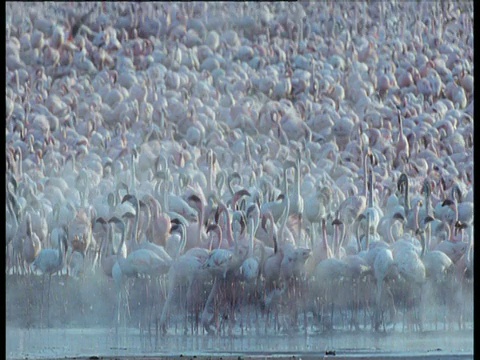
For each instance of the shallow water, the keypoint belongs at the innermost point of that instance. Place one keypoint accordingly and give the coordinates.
(105, 343)
(81, 311)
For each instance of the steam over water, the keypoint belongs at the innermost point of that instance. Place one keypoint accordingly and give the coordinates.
(82, 326)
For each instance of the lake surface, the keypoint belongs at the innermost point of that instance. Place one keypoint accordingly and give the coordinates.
(128, 343)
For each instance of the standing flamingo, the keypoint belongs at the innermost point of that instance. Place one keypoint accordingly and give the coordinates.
(50, 261)
(316, 208)
(402, 148)
(296, 199)
(385, 270)
(185, 269)
(412, 272)
(357, 280)
(31, 244)
(138, 262)
(222, 264)
(439, 272)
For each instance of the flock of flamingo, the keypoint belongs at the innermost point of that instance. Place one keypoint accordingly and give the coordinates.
(303, 164)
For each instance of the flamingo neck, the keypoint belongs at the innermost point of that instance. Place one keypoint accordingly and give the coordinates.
(135, 224)
(104, 244)
(400, 128)
(296, 168)
(370, 192)
(200, 220)
(12, 213)
(427, 202)
(29, 225)
(210, 163)
(20, 166)
(248, 155)
(422, 241)
(336, 248)
(455, 209)
(312, 234)
(469, 250)
(285, 219)
(285, 183)
(367, 238)
(219, 183)
(252, 235)
(60, 251)
(166, 190)
(417, 211)
(452, 233)
(183, 241)
(428, 237)
(365, 176)
(228, 225)
(235, 199)
(119, 250)
(219, 236)
(272, 234)
(406, 205)
(391, 238)
(273, 238)
(343, 233)
(357, 235)
(327, 249)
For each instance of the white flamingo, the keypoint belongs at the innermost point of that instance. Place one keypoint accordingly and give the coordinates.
(50, 261)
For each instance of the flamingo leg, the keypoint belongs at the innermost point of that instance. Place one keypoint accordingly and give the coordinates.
(48, 300)
(41, 301)
(208, 309)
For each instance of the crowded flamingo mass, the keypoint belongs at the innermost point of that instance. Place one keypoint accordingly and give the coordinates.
(239, 180)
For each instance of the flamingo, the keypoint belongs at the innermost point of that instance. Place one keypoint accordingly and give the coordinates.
(221, 261)
(437, 263)
(412, 270)
(50, 261)
(107, 257)
(148, 245)
(452, 247)
(411, 213)
(250, 270)
(426, 210)
(12, 223)
(462, 210)
(372, 212)
(316, 208)
(222, 264)
(385, 270)
(293, 275)
(31, 244)
(147, 257)
(351, 208)
(327, 283)
(186, 269)
(196, 230)
(296, 199)
(358, 277)
(271, 265)
(137, 262)
(76, 264)
(439, 270)
(160, 225)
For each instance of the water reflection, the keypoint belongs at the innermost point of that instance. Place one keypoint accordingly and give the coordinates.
(69, 343)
